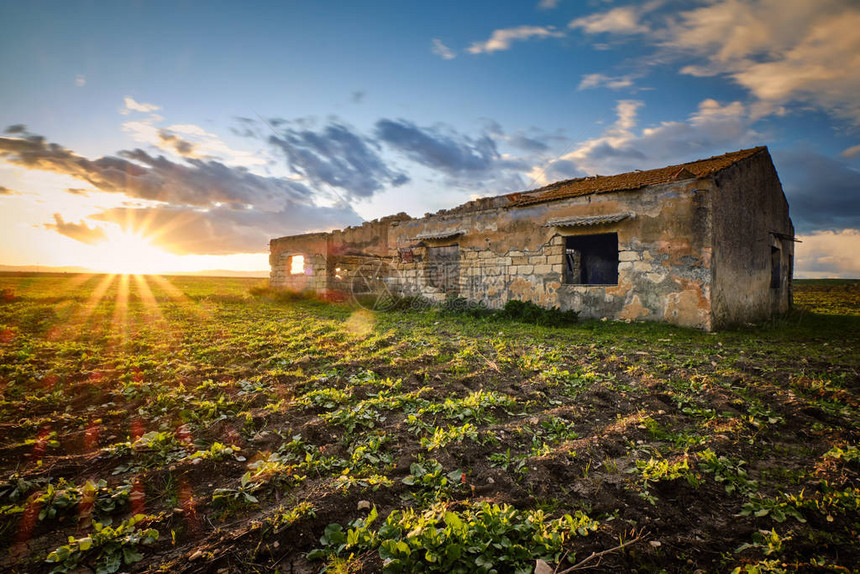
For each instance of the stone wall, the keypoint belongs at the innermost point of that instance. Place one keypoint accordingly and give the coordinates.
(750, 215)
(313, 247)
(666, 237)
(360, 253)
(513, 253)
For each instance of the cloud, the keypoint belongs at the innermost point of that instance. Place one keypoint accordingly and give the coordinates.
(132, 106)
(548, 4)
(77, 231)
(473, 163)
(527, 144)
(441, 50)
(600, 80)
(823, 193)
(80, 80)
(560, 170)
(7, 191)
(829, 254)
(206, 206)
(713, 129)
(452, 154)
(222, 230)
(781, 51)
(623, 20)
(519, 140)
(502, 39)
(357, 96)
(187, 140)
(335, 155)
(139, 175)
(180, 146)
(852, 151)
(16, 129)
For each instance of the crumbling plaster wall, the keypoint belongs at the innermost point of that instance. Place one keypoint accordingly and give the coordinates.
(750, 212)
(359, 249)
(313, 247)
(509, 253)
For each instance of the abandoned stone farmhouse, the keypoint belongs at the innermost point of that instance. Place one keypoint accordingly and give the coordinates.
(704, 244)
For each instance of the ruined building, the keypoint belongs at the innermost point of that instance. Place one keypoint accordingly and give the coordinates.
(704, 244)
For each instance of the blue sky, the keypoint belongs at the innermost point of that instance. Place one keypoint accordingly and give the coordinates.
(189, 133)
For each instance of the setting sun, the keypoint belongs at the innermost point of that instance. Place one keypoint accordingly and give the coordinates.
(129, 253)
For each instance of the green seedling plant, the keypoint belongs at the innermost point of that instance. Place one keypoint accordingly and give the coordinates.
(557, 430)
(776, 509)
(730, 473)
(368, 413)
(443, 437)
(325, 398)
(106, 499)
(402, 408)
(373, 481)
(370, 453)
(481, 538)
(151, 449)
(335, 540)
(659, 470)
(474, 406)
(767, 540)
(848, 454)
(251, 387)
(268, 469)
(510, 462)
(57, 499)
(428, 482)
(282, 519)
(107, 549)
(218, 452)
(17, 488)
(827, 500)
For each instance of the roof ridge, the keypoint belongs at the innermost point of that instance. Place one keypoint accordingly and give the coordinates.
(631, 180)
(739, 152)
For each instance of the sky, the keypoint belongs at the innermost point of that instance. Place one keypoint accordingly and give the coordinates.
(180, 136)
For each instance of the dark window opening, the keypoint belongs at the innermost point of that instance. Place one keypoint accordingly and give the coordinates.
(591, 259)
(775, 267)
(443, 268)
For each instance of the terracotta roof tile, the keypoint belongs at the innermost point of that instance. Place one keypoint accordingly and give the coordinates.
(440, 234)
(629, 181)
(587, 220)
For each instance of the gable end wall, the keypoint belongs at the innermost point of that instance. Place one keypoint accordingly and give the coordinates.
(749, 208)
